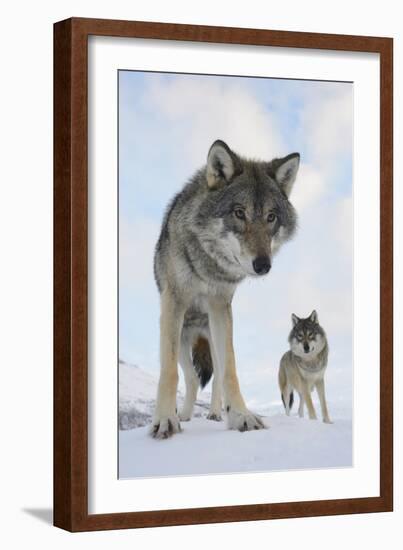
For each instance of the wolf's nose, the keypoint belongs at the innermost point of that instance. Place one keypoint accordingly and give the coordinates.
(261, 265)
(306, 348)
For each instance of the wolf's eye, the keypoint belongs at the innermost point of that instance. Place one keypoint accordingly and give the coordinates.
(310, 334)
(300, 336)
(240, 213)
(271, 217)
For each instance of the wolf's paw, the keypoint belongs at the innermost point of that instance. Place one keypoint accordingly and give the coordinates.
(328, 421)
(165, 427)
(244, 421)
(214, 416)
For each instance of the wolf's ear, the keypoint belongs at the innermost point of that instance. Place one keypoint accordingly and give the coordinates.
(294, 319)
(222, 165)
(313, 316)
(285, 171)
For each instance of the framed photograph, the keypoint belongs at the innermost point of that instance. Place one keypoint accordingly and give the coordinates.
(222, 274)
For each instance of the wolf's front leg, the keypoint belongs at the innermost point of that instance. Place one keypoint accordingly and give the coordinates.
(238, 416)
(165, 420)
(301, 406)
(216, 404)
(320, 387)
(191, 381)
(306, 393)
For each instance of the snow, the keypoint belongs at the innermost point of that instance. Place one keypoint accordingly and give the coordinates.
(208, 447)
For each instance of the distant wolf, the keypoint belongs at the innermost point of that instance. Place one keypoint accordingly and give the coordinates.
(303, 367)
(224, 225)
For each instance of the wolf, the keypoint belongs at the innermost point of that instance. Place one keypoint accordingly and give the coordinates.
(303, 367)
(224, 225)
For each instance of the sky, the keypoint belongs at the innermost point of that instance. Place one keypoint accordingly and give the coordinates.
(167, 123)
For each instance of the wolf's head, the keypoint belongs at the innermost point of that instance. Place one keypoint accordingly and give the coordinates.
(307, 338)
(249, 201)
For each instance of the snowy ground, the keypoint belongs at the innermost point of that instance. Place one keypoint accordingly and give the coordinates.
(207, 447)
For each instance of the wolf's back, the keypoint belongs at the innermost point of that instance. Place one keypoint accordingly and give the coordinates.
(173, 232)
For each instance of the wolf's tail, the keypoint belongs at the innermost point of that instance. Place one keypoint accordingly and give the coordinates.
(290, 401)
(202, 360)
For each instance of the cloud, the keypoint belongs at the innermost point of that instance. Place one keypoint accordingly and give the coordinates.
(309, 187)
(343, 226)
(137, 240)
(200, 110)
(326, 125)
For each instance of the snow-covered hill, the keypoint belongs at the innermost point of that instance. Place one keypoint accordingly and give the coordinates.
(137, 391)
(207, 447)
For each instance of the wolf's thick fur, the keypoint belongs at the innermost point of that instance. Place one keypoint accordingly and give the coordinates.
(303, 367)
(224, 225)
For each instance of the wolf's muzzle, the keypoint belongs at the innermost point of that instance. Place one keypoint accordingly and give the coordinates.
(261, 265)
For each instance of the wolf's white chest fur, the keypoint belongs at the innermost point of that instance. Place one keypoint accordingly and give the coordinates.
(311, 372)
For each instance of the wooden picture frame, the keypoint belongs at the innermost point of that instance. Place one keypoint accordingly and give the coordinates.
(71, 282)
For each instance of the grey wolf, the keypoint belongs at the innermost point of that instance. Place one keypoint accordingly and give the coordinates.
(303, 367)
(224, 225)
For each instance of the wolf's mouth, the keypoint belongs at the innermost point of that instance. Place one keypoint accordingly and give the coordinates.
(309, 351)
